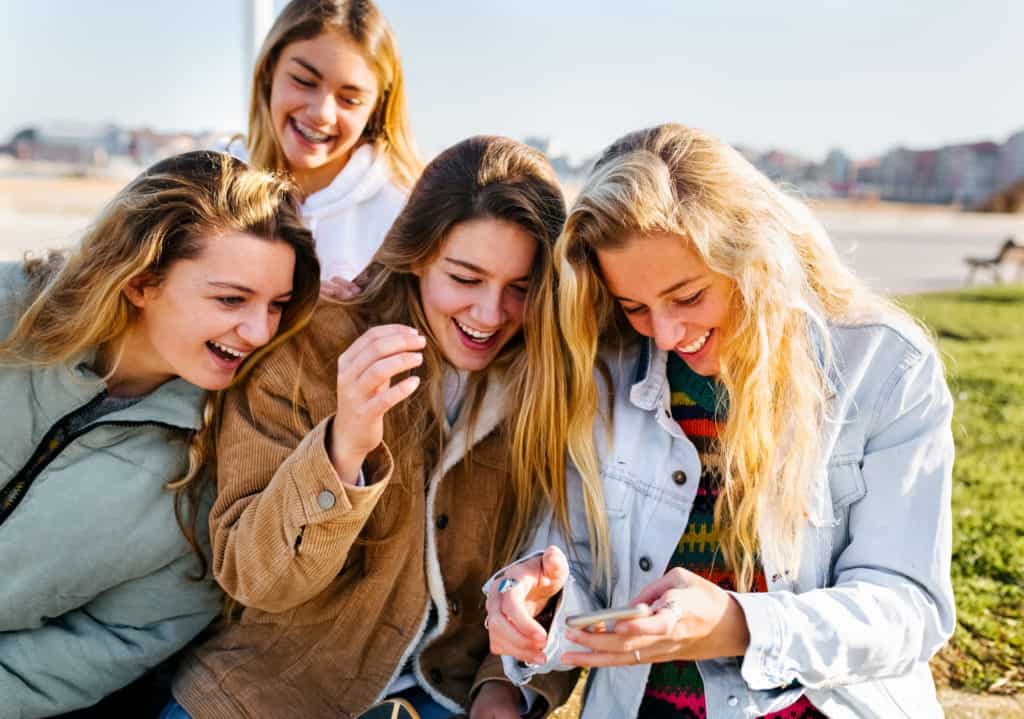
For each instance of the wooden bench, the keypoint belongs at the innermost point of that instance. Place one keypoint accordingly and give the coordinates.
(1011, 253)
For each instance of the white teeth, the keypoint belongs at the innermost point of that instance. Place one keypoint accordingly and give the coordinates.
(696, 344)
(311, 135)
(227, 350)
(475, 334)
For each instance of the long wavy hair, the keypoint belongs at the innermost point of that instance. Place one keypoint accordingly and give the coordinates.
(789, 283)
(77, 300)
(361, 21)
(481, 177)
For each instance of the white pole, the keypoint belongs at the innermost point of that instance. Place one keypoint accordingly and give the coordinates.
(257, 16)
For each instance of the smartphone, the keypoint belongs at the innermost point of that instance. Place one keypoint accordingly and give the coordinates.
(604, 620)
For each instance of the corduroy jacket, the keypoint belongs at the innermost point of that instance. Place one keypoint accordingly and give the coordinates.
(338, 581)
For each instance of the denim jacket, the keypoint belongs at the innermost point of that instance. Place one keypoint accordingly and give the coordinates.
(872, 601)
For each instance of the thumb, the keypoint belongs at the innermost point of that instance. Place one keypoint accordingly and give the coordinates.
(554, 571)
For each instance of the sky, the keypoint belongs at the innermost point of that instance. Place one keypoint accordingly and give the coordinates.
(799, 75)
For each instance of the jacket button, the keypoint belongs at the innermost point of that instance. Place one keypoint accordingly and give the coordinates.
(435, 675)
(679, 477)
(453, 605)
(442, 521)
(325, 499)
(645, 564)
(732, 701)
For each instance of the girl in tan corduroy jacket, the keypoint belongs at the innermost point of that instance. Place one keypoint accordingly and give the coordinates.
(373, 471)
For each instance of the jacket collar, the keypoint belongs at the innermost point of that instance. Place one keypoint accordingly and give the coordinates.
(176, 403)
(492, 412)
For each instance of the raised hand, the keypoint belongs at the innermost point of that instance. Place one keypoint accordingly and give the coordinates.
(519, 596)
(365, 392)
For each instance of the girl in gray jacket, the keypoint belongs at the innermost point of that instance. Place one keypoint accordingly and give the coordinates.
(107, 356)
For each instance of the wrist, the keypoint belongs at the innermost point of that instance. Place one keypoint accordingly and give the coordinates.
(347, 463)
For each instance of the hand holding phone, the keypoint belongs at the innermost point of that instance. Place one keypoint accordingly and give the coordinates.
(604, 620)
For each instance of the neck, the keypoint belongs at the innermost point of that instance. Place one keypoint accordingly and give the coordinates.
(127, 367)
(310, 181)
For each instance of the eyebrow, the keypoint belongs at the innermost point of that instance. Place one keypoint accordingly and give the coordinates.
(666, 291)
(319, 76)
(479, 270)
(243, 288)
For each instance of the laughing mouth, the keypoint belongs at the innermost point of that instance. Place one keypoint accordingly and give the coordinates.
(225, 352)
(474, 334)
(696, 345)
(309, 134)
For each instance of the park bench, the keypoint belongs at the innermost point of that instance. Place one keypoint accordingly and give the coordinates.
(1009, 254)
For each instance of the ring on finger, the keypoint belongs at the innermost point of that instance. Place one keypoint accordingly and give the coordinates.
(487, 619)
(636, 655)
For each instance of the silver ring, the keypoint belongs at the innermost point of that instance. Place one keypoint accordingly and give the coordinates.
(636, 653)
(487, 618)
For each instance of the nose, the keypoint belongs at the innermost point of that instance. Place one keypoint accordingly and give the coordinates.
(322, 107)
(258, 327)
(488, 311)
(667, 331)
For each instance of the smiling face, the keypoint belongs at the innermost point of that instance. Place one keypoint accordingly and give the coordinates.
(322, 94)
(474, 291)
(208, 314)
(670, 295)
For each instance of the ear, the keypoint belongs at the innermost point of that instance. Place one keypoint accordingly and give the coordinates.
(136, 290)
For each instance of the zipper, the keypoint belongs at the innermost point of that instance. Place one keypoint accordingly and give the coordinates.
(49, 448)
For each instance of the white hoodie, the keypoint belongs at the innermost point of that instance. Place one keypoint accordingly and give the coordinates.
(350, 216)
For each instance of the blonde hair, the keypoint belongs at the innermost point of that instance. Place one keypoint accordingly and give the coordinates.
(77, 300)
(360, 20)
(789, 283)
(481, 177)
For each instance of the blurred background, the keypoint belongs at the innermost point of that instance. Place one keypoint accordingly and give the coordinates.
(902, 123)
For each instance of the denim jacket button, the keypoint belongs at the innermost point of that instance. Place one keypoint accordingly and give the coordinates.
(325, 499)
(733, 701)
(679, 477)
(645, 564)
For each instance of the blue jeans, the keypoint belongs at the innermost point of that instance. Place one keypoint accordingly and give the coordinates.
(426, 707)
(174, 710)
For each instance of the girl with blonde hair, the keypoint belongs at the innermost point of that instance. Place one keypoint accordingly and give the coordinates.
(761, 454)
(375, 469)
(328, 105)
(108, 358)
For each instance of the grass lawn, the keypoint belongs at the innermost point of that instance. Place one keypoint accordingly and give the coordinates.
(980, 332)
(981, 335)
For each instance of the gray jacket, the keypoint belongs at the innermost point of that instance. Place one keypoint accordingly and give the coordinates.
(94, 568)
(873, 600)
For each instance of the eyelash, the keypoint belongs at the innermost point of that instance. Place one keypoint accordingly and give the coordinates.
(464, 280)
(309, 84)
(685, 302)
(233, 302)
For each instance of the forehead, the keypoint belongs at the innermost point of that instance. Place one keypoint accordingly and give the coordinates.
(265, 266)
(502, 249)
(336, 56)
(644, 264)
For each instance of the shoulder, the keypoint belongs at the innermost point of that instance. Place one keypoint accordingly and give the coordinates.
(876, 343)
(887, 365)
(313, 352)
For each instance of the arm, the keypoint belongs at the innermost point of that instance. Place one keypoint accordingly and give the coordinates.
(891, 603)
(76, 659)
(283, 522)
(288, 508)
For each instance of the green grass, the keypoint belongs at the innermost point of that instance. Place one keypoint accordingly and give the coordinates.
(981, 335)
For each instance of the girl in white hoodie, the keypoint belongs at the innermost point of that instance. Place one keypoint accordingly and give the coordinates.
(328, 106)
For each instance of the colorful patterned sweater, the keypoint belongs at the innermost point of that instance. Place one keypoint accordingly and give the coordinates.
(675, 689)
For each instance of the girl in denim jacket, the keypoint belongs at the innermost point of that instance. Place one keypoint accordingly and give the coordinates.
(762, 460)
